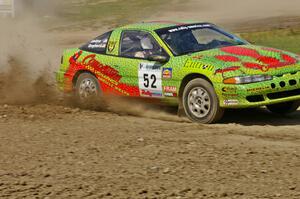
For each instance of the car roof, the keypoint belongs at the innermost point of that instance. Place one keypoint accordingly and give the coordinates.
(154, 25)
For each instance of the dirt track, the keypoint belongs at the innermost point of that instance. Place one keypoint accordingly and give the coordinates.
(51, 151)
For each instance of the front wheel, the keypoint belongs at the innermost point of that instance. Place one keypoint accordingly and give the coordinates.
(200, 102)
(284, 108)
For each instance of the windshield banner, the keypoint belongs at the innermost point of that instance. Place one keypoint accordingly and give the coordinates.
(180, 28)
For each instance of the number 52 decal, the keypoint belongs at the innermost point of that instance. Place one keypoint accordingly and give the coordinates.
(147, 81)
(150, 84)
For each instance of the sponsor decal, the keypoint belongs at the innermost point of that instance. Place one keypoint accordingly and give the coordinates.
(229, 89)
(96, 43)
(90, 63)
(150, 80)
(75, 57)
(92, 46)
(190, 27)
(167, 73)
(111, 46)
(198, 57)
(231, 102)
(108, 76)
(170, 94)
(193, 64)
(149, 66)
(147, 93)
(258, 89)
(170, 91)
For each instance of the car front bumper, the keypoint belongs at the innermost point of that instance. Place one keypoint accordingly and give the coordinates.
(282, 88)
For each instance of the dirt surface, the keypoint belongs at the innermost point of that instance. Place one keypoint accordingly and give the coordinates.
(49, 150)
(52, 151)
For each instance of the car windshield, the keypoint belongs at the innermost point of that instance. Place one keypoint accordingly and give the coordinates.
(198, 37)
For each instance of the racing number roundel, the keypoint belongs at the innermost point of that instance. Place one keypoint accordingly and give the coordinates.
(150, 84)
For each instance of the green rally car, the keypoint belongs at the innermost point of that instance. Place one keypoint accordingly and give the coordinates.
(199, 67)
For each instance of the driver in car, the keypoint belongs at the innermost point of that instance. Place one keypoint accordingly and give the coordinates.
(147, 48)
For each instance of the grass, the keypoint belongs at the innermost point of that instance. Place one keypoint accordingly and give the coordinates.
(109, 12)
(286, 39)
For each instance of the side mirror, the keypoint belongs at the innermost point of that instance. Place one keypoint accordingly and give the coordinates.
(159, 58)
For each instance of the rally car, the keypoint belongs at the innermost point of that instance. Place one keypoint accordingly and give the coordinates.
(199, 66)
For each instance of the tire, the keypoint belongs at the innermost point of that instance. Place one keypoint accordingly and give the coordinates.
(200, 102)
(87, 91)
(284, 108)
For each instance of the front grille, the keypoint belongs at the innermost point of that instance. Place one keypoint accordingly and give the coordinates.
(255, 98)
(283, 94)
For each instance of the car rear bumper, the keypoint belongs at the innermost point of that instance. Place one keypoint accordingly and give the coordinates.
(281, 89)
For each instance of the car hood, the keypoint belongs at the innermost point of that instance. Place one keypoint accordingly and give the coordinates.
(248, 60)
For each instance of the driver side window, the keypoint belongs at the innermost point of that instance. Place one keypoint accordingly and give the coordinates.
(138, 44)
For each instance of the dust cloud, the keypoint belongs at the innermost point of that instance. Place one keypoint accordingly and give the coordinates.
(137, 108)
(27, 60)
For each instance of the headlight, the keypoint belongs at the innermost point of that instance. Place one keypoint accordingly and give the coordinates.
(247, 79)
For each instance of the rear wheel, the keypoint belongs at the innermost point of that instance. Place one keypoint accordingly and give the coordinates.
(284, 108)
(87, 91)
(201, 103)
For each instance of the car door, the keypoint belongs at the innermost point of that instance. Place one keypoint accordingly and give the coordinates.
(132, 61)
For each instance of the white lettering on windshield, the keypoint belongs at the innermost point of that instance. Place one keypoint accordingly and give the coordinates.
(189, 27)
